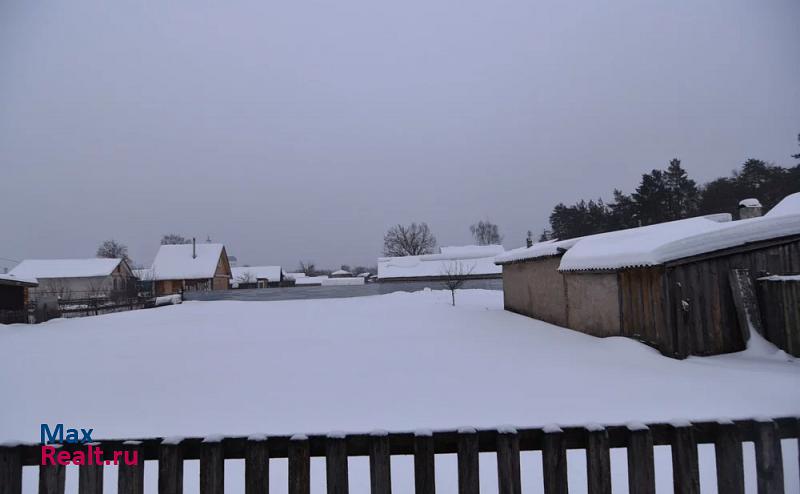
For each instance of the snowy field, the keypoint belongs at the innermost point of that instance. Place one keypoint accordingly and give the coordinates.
(398, 362)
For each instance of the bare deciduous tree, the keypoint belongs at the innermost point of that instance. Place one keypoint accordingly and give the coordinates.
(307, 267)
(455, 274)
(174, 239)
(415, 239)
(486, 233)
(246, 277)
(113, 250)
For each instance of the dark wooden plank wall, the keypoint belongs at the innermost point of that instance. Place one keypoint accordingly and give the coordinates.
(650, 299)
(780, 302)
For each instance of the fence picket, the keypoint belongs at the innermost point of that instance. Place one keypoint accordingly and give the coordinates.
(51, 479)
(554, 461)
(508, 468)
(468, 462)
(212, 467)
(641, 468)
(130, 478)
(769, 459)
(598, 461)
(10, 470)
(685, 468)
(299, 465)
(170, 468)
(90, 479)
(730, 463)
(380, 474)
(424, 464)
(256, 466)
(336, 464)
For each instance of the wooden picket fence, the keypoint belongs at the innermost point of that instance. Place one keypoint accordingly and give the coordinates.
(553, 442)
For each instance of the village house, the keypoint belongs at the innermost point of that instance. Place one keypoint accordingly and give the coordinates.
(77, 279)
(190, 267)
(257, 276)
(472, 261)
(341, 273)
(668, 285)
(14, 298)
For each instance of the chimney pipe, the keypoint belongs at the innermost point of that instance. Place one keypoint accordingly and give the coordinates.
(749, 208)
(194, 249)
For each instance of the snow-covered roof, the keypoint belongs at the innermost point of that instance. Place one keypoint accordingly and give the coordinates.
(547, 248)
(476, 259)
(17, 279)
(175, 262)
(65, 268)
(789, 205)
(340, 272)
(749, 203)
(295, 275)
(663, 242)
(271, 273)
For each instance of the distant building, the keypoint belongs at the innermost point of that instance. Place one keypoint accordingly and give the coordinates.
(257, 276)
(14, 298)
(191, 267)
(475, 261)
(341, 273)
(73, 279)
(668, 285)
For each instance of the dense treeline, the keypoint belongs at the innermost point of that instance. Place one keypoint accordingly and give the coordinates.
(666, 195)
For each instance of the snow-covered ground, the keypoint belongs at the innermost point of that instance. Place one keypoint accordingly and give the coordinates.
(397, 362)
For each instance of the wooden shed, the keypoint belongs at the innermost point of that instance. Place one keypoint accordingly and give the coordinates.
(14, 298)
(668, 285)
(191, 267)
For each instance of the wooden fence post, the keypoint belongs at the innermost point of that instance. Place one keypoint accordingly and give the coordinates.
(130, 478)
(256, 465)
(424, 463)
(380, 474)
(336, 464)
(598, 460)
(10, 470)
(299, 465)
(90, 477)
(468, 461)
(554, 461)
(769, 458)
(170, 467)
(641, 468)
(51, 479)
(730, 463)
(212, 466)
(508, 469)
(685, 469)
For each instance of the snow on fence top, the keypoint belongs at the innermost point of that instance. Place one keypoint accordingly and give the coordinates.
(475, 259)
(175, 262)
(65, 268)
(271, 273)
(656, 244)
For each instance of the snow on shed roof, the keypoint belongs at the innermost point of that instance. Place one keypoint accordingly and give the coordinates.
(175, 262)
(547, 248)
(65, 268)
(788, 205)
(341, 272)
(271, 273)
(477, 258)
(656, 244)
(18, 280)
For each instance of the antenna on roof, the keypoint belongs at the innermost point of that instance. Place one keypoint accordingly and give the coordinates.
(208, 239)
(194, 249)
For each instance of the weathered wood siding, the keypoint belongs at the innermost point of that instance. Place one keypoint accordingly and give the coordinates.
(535, 288)
(645, 307)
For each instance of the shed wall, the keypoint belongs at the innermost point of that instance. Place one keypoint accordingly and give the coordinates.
(593, 303)
(536, 289)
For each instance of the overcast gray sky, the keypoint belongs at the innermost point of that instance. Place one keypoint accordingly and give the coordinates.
(303, 130)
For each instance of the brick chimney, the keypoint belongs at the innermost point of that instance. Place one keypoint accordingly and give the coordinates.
(749, 208)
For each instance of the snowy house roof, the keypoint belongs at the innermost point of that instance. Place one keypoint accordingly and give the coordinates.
(789, 205)
(10, 279)
(65, 268)
(477, 259)
(340, 272)
(271, 273)
(295, 275)
(547, 248)
(175, 262)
